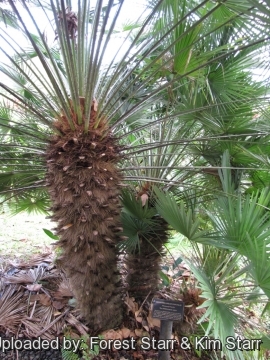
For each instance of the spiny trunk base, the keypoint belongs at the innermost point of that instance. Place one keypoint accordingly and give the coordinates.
(83, 184)
(144, 265)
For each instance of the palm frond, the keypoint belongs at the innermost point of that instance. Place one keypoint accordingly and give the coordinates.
(139, 221)
(177, 216)
(8, 17)
(199, 99)
(12, 308)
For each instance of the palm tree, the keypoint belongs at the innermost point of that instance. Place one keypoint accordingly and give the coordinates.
(145, 234)
(77, 126)
(213, 115)
(232, 261)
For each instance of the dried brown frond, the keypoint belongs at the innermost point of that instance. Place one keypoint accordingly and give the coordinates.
(191, 297)
(12, 308)
(45, 314)
(82, 329)
(29, 277)
(33, 328)
(34, 261)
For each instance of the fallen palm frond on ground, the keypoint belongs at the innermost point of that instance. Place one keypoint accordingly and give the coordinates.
(28, 307)
(36, 301)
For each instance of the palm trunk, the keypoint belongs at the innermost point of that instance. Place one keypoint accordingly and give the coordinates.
(143, 265)
(83, 183)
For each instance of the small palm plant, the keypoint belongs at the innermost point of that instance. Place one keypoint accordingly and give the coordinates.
(77, 125)
(145, 234)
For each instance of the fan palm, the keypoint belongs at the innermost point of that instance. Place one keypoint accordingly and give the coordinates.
(212, 116)
(76, 124)
(234, 269)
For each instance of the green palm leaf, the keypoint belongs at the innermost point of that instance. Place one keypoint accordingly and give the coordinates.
(177, 216)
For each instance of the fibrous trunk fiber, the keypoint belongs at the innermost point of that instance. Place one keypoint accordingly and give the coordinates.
(83, 183)
(144, 264)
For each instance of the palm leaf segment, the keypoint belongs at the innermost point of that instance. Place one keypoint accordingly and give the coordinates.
(158, 91)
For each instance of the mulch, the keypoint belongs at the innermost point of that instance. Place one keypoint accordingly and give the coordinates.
(45, 306)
